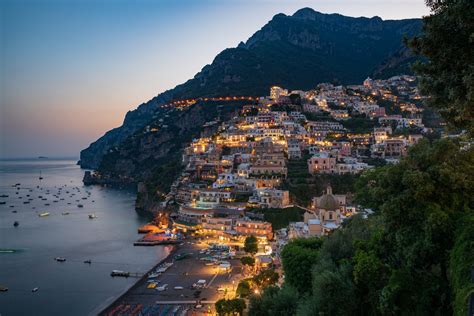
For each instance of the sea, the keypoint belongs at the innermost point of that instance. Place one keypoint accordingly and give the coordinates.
(28, 251)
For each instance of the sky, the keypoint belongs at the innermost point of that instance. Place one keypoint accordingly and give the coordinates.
(71, 69)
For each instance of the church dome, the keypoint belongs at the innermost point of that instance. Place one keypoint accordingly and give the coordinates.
(328, 202)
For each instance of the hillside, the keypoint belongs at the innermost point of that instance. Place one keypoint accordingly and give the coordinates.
(297, 52)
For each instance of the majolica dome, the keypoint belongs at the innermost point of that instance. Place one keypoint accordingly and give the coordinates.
(328, 201)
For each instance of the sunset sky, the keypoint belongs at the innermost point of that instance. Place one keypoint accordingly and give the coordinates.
(70, 70)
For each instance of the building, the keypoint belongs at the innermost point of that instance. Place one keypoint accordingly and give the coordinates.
(277, 92)
(216, 225)
(322, 162)
(270, 198)
(245, 227)
(327, 215)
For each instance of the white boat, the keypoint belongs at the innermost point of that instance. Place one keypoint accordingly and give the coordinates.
(153, 275)
(92, 216)
(60, 259)
(178, 288)
(43, 214)
(35, 289)
(162, 288)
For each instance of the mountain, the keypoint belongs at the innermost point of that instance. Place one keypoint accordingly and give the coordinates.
(297, 52)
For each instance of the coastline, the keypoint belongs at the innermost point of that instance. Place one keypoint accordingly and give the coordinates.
(102, 309)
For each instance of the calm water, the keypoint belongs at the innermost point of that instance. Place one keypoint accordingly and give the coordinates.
(72, 287)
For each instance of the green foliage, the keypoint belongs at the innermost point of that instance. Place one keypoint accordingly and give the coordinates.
(251, 245)
(274, 302)
(266, 278)
(298, 256)
(448, 74)
(249, 261)
(281, 217)
(359, 124)
(461, 263)
(333, 292)
(230, 307)
(418, 201)
(243, 289)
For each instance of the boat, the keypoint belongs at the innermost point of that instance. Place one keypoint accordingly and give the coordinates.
(65, 213)
(154, 275)
(4, 196)
(43, 214)
(60, 259)
(92, 216)
(3, 202)
(3, 288)
(6, 250)
(115, 273)
(88, 261)
(80, 205)
(16, 224)
(35, 289)
(40, 177)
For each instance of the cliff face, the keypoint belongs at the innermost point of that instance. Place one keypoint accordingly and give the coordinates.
(297, 52)
(153, 154)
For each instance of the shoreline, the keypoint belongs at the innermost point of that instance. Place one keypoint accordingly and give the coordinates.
(102, 309)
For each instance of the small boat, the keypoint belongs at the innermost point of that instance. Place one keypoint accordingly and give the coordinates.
(35, 289)
(4, 196)
(3, 288)
(16, 224)
(65, 213)
(88, 261)
(92, 216)
(43, 214)
(3, 202)
(60, 259)
(40, 177)
(80, 205)
(26, 202)
(154, 275)
(120, 273)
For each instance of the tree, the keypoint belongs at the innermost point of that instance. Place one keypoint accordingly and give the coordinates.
(248, 261)
(298, 256)
(230, 307)
(447, 75)
(403, 267)
(274, 302)
(251, 245)
(266, 278)
(243, 289)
